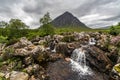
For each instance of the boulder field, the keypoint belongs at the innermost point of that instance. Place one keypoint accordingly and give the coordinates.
(47, 58)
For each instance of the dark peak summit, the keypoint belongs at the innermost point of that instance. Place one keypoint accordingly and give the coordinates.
(67, 19)
(67, 13)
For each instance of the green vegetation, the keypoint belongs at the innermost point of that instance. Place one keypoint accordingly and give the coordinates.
(115, 30)
(13, 30)
(117, 68)
(46, 28)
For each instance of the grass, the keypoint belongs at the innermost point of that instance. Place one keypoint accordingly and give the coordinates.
(78, 29)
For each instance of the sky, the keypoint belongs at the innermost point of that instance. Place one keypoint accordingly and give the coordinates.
(94, 13)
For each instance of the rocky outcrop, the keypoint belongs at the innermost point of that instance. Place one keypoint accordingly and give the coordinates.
(98, 59)
(14, 75)
(43, 58)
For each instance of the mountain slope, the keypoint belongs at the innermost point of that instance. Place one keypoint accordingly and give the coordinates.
(67, 19)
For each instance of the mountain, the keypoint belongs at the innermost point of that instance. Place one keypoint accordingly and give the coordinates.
(67, 19)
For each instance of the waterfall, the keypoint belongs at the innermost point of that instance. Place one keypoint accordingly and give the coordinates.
(78, 62)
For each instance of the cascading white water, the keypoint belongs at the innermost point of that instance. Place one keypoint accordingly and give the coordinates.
(78, 62)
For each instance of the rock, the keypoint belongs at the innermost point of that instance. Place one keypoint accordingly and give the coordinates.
(67, 59)
(28, 60)
(22, 43)
(60, 70)
(42, 57)
(55, 57)
(18, 76)
(37, 49)
(115, 40)
(52, 44)
(2, 74)
(97, 59)
(7, 76)
(81, 36)
(21, 52)
(66, 48)
(32, 78)
(42, 42)
(29, 50)
(58, 37)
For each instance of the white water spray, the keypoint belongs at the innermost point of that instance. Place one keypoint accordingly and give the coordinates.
(78, 62)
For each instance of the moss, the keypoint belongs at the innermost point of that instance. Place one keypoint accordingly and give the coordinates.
(2, 78)
(117, 68)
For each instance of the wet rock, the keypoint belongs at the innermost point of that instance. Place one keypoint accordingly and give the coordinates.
(52, 44)
(55, 57)
(18, 76)
(98, 59)
(66, 48)
(61, 70)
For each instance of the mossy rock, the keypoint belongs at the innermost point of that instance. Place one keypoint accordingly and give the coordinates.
(117, 68)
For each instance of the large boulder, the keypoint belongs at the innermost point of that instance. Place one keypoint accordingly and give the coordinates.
(96, 58)
(66, 48)
(29, 50)
(22, 43)
(61, 70)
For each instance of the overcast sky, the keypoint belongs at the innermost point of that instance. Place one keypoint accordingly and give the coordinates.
(94, 13)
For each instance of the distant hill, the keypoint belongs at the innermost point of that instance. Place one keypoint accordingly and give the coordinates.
(107, 27)
(67, 19)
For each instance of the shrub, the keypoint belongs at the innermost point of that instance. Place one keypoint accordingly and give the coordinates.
(47, 29)
(12, 41)
(114, 31)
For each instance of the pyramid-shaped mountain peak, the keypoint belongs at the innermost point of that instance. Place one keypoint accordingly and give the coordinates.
(67, 19)
(68, 13)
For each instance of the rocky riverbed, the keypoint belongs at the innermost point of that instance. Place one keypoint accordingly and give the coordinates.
(47, 58)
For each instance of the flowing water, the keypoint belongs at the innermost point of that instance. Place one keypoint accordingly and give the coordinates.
(78, 62)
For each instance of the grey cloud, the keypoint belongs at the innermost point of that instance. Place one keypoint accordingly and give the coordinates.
(117, 17)
(35, 9)
(89, 6)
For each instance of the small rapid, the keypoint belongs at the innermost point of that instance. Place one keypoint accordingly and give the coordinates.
(78, 62)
